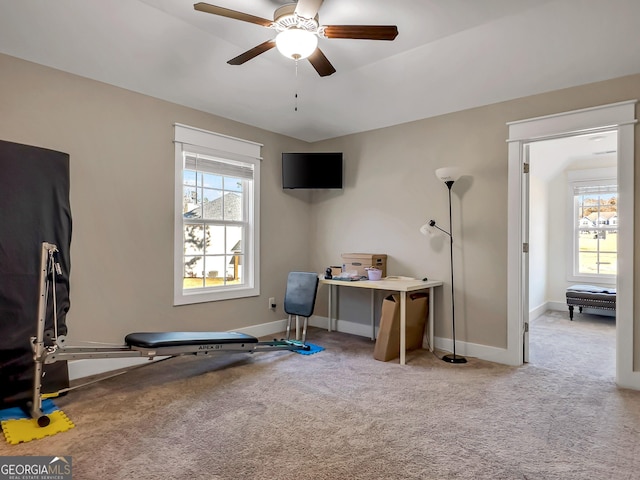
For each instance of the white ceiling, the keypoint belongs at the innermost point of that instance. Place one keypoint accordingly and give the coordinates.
(449, 55)
(551, 157)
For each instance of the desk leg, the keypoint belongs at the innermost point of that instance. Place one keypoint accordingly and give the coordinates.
(330, 313)
(431, 320)
(403, 328)
(373, 319)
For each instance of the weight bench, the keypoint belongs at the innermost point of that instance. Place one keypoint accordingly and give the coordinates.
(49, 347)
(590, 296)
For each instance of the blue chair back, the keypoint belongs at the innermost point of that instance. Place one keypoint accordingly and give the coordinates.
(300, 295)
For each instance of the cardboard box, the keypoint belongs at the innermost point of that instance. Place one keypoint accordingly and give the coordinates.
(358, 262)
(388, 342)
(335, 270)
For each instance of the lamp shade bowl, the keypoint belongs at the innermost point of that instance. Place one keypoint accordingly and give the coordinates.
(448, 174)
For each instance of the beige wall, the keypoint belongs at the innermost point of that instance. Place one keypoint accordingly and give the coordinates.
(122, 184)
(122, 202)
(391, 190)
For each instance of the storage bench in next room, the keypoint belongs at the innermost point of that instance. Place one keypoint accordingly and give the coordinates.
(590, 296)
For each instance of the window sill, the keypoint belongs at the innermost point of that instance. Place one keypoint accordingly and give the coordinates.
(189, 298)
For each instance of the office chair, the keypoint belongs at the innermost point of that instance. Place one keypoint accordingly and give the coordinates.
(300, 299)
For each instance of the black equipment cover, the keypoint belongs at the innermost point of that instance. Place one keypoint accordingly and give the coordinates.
(34, 208)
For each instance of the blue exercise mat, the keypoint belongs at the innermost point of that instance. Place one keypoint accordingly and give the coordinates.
(15, 413)
(312, 349)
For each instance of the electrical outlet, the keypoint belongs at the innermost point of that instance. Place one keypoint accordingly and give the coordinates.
(272, 303)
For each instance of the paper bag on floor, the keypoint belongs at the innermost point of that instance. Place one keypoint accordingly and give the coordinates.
(388, 342)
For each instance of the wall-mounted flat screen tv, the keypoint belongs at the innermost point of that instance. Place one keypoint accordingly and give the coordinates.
(312, 170)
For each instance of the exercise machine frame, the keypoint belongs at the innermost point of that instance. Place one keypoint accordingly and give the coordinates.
(49, 347)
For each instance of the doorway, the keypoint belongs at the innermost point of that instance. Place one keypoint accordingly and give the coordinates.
(572, 240)
(621, 118)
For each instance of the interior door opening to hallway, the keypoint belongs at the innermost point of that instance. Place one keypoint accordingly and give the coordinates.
(571, 233)
(618, 117)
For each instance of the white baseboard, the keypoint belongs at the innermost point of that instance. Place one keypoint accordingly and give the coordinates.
(352, 328)
(483, 352)
(549, 305)
(557, 306)
(536, 312)
(264, 329)
(97, 366)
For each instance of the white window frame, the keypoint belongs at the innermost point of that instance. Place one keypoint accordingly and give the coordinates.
(222, 147)
(593, 176)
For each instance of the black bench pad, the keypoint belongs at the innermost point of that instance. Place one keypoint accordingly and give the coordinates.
(176, 339)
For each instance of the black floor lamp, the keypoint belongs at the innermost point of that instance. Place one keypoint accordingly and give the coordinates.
(449, 175)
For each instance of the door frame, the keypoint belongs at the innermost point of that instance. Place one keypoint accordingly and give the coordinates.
(524, 258)
(618, 116)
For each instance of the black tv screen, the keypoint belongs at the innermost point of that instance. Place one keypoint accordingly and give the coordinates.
(312, 170)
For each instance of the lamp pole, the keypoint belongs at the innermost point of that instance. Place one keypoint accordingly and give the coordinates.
(452, 358)
(448, 175)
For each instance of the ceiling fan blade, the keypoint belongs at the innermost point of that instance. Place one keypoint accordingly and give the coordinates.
(308, 8)
(225, 12)
(321, 63)
(364, 32)
(254, 52)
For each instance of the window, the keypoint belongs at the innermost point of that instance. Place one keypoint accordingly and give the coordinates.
(594, 202)
(217, 188)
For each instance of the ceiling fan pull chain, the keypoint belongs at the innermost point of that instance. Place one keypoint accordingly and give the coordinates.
(296, 93)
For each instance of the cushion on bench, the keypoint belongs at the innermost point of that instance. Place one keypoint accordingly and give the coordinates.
(590, 289)
(176, 339)
(591, 296)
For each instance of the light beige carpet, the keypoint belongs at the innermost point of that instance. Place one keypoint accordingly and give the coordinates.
(340, 414)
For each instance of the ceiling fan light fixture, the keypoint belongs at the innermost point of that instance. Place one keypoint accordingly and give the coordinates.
(296, 43)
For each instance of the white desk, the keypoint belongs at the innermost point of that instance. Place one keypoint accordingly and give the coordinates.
(393, 285)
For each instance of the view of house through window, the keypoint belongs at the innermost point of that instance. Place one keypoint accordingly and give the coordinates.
(596, 217)
(214, 225)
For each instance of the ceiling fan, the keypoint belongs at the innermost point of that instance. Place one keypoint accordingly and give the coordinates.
(298, 31)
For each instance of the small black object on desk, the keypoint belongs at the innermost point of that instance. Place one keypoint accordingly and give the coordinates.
(327, 274)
